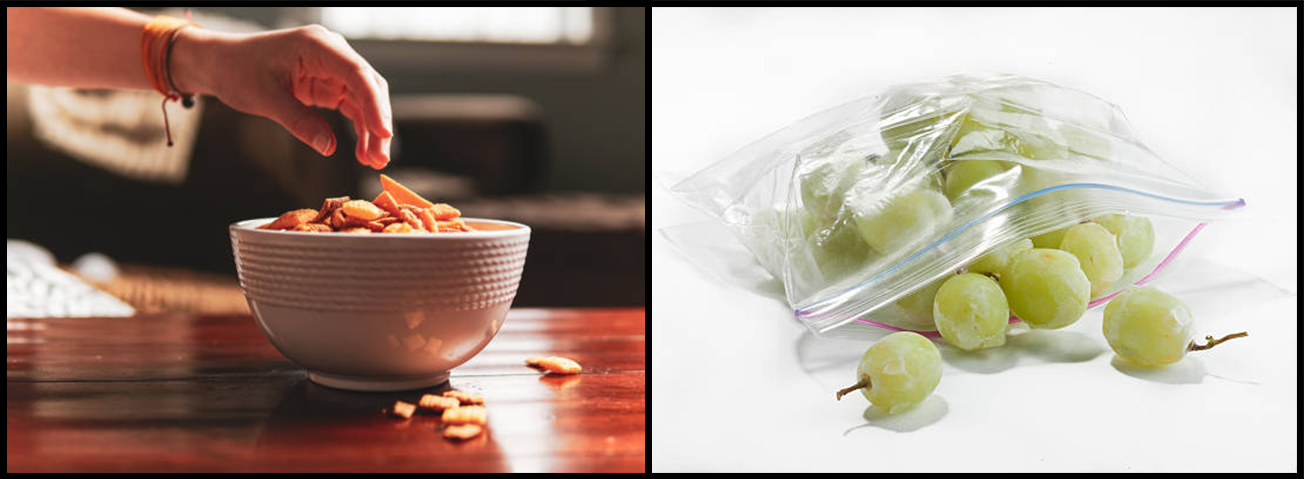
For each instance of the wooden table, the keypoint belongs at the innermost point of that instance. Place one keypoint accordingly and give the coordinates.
(184, 393)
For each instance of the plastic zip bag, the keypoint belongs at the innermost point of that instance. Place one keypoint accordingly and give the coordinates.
(859, 210)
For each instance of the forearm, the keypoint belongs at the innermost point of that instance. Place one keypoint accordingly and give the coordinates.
(82, 47)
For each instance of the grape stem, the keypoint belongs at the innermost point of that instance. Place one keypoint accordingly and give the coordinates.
(1214, 342)
(862, 383)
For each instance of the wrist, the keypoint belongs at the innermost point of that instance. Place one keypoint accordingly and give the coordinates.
(190, 61)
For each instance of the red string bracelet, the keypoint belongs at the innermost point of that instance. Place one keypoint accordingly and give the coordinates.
(155, 51)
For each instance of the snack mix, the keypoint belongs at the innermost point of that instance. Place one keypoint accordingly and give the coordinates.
(396, 210)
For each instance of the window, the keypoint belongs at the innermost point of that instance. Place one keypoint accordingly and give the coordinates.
(533, 25)
(424, 39)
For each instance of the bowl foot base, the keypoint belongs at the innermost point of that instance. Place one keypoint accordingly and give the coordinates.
(371, 383)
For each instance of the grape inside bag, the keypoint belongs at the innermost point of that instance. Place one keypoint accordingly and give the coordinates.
(863, 209)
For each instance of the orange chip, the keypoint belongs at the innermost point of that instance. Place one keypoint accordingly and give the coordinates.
(386, 202)
(402, 194)
(465, 415)
(362, 209)
(556, 365)
(438, 403)
(408, 216)
(456, 225)
(291, 219)
(398, 228)
(355, 230)
(329, 206)
(444, 212)
(404, 410)
(337, 219)
(352, 221)
(313, 227)
(464, 397)
(462, 432)
(427, 220)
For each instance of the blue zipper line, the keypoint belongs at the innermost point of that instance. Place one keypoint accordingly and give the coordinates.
(1025, 197)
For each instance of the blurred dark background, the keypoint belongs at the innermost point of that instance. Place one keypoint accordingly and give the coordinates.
(551, 134)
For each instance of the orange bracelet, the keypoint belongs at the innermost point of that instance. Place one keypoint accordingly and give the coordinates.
(155, 49)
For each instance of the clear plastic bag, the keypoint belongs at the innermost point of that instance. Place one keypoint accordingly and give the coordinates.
(861, 208)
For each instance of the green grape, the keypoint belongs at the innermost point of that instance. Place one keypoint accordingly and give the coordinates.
(1085, 142)
(903, 220)
(824, 185)
(968, 126)
(838, 249)
(971, 312)
(1032, 136)
(1049, 239)
(1136, 236)
(1040, 147)
(1032, 179)
(1046, 288)
(918, 307)
(980, 140)
(905, 117)
(1097, 253)
(1148, 327)
(898, 372)
(963, 174)
(898, 136)
(910, 164)
(998, 259)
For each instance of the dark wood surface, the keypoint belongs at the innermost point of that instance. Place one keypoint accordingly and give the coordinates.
(183, 393)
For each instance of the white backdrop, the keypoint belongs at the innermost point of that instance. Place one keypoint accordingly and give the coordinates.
(739, 385)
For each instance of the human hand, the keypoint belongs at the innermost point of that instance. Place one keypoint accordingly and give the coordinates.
(280, 74)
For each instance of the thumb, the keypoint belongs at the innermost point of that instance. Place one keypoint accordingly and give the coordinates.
(304, 123)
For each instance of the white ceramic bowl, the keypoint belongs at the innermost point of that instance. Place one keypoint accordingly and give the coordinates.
(380, 312)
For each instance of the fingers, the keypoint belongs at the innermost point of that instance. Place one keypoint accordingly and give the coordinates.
(375, 130)
(381, 146)
(370, 91)
(382, 99)
(360, 131)
(381, 152)
(370, 150)
(361, 148)
(303, 123)
(333, 75)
